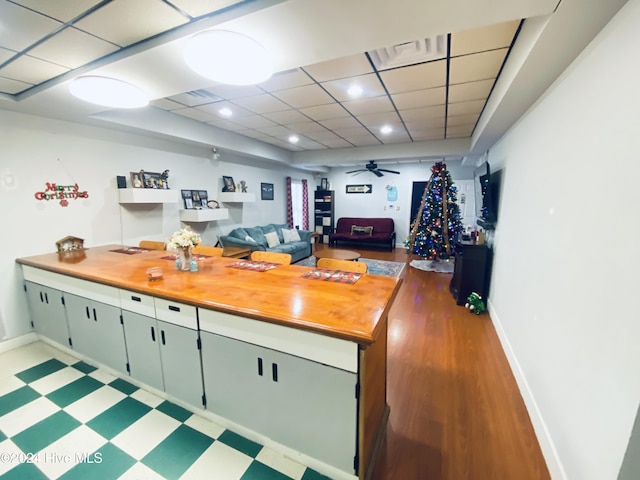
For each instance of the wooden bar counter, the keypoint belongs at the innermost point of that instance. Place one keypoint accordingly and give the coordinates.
(237, 309)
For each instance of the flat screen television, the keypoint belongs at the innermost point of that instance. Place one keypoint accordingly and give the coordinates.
(487, 195)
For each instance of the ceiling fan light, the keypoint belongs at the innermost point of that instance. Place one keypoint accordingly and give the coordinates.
(108, 92)
(228, 57)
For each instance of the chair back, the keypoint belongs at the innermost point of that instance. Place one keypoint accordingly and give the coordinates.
(152, 245)
(207, 250)
(273, 257)
(344, 265)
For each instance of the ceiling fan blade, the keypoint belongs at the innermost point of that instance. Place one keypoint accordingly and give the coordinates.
(354, 171)
(377, 173)
(388, 171)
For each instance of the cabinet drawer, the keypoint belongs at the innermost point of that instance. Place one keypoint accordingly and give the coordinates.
(137, 303)
(312, 346)
(176, 313)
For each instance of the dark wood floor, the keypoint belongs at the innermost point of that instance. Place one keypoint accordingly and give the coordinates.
(456, 412)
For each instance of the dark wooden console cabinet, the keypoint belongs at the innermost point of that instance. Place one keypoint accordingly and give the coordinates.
(472, 272)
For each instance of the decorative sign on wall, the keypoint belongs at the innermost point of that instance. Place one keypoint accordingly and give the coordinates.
(366, 188)
(64, 193)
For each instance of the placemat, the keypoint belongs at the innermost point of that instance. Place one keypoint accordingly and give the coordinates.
(332, 275)
(130, 250)
(254, 265)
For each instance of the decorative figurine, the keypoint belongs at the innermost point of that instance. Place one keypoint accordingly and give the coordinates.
(165, 179)
(243, 186)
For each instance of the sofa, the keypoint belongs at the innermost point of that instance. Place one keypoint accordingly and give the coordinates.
(272, 237)
(364, 232)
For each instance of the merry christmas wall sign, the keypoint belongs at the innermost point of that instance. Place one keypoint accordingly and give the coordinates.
(63, 193)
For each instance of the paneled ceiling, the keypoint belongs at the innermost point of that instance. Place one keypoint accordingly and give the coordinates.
(424, 71)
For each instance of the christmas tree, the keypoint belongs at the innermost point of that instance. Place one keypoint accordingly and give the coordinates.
(438, 220)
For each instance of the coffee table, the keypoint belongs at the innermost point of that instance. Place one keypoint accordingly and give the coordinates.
(338, 254)
(236, 252)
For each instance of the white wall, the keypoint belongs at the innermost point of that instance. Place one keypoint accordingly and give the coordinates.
(34, 151)
(565, 277)
(375, 204)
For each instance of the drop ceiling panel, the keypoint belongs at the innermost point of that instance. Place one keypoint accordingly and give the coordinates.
(255, 121)
(479, 66)
(194, 114)
(60, 10)
(12, 86)
(195, 97)
(27, 27)
(202, 7)
(465, 108)
(420, 98)
(264, 103)
(87, 48)
(166, 104)
(338, 143)
(461, 120)
(369, 106)
(370, 85)
(231, 92)
(228, 125)
(423, 132)
(125, 22)
(415, 77)
(353, 132)
(31, 70)
(464, 92)
(350, 66)
(287, 117)
(307, 127)
(215, 108)
(307, 96)
(423, 114)
(5, 54)
(339, 123)
(324, 112)
(377, 120)
(481, 39)
(460, 132)
(288, 79)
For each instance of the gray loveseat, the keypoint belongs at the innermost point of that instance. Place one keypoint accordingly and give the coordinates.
(254, 239)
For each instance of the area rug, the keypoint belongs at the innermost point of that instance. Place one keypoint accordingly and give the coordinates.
(439, 266)
(375, 267)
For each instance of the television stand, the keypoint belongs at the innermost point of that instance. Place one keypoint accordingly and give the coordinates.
(472, 271)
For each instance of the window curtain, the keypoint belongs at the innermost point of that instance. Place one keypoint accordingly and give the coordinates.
(289, 204)
(305, 205)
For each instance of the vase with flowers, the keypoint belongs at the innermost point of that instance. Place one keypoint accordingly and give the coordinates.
(183, 242)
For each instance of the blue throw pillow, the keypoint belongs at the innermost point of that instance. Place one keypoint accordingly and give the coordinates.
(278, 228)
(238, 233)
(257, 234)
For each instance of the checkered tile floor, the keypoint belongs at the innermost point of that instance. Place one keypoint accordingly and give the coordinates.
(65, 419)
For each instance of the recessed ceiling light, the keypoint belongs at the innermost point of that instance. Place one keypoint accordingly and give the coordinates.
(225, 112)
(228, 57)
(355, 91)
(108, 92)
(386, 130)
(294, 139)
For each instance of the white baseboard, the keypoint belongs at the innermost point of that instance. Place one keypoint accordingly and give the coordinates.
(17, 342)
(554, 464)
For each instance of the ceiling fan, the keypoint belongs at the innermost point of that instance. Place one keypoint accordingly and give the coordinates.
(373, 167)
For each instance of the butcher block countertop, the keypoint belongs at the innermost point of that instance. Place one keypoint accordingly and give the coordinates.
(281, 295)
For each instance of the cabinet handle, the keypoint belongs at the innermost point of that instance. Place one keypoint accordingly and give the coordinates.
(46, 297)
(136, 299)
(153, 334)
(162, 336)
(95, 317)
(274, 371)
(259, 366)
(88, 314)
(174, 308)
(41, 298)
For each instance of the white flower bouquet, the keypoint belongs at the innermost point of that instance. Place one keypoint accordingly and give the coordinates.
(183, 238)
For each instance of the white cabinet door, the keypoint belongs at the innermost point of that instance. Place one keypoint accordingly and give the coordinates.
(299, 403)
(48, 315)
(143, 348)
(96, 331)
(181, 366)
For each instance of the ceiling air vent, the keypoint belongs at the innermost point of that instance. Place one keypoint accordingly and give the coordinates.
(410, 53)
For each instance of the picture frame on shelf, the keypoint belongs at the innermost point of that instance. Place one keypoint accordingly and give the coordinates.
(324, 184)
(153, 180)
(195, 199)
(228, 185)
(136, 180)
(266, 191)
(187, 199)
(204, 198)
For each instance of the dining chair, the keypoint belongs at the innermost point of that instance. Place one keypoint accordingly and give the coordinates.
(207, 250)
(273, 257)
(152, 245)
(344, 265)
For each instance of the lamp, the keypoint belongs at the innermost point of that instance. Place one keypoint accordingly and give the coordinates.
(228, 57)
(108, 92)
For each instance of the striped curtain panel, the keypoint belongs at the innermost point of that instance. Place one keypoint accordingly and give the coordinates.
(305, 205)
(289, 204)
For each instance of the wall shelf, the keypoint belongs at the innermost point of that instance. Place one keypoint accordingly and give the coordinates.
(204, 215)
(147, 195)
(236, 197)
